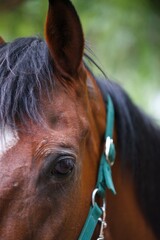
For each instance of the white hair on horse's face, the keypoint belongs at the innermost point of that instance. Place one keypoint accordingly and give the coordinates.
(8, 139)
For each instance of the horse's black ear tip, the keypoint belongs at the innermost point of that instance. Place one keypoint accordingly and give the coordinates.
(62, 1)
(51, 1)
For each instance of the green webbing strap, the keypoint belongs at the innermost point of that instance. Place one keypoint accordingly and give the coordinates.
(105, 175)
(94, 214)
(110, 118)
(104, 180)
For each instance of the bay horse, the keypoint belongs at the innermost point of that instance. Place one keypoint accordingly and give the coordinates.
(59, 130)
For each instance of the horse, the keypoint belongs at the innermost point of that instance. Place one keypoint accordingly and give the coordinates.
(78, 159)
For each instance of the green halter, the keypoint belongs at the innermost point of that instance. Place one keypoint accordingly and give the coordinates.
(104, 181)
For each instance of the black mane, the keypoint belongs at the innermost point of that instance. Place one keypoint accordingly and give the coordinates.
(139, 147)
(25, 70)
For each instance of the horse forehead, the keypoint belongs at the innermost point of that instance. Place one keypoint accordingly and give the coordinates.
(68, 105)
(8, 139)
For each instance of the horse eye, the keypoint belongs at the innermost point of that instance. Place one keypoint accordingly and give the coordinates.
(63, 167)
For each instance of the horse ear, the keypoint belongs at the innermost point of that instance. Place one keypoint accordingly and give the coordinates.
(64, 36)
(1, 40)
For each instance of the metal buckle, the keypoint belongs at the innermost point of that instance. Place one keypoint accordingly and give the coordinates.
(102, 220)
(108, 144)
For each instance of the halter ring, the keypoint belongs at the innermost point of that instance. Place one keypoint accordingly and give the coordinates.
(102, 219)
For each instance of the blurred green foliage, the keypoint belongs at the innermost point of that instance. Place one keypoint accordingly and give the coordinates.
(124, 35)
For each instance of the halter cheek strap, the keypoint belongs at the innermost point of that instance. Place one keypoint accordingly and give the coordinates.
(98, 213)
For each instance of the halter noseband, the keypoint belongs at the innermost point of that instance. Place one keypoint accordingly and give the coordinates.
(104, 181)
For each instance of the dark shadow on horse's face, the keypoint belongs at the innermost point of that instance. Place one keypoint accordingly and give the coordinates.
(48, 170)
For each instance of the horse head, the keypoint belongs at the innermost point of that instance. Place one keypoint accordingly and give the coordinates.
(52, 129)
(57, 136)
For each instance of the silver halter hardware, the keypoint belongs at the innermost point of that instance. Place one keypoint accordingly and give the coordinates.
(102, 220)
(108, 144)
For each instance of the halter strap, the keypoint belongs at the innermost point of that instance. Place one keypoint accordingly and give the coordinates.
(104, 181)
